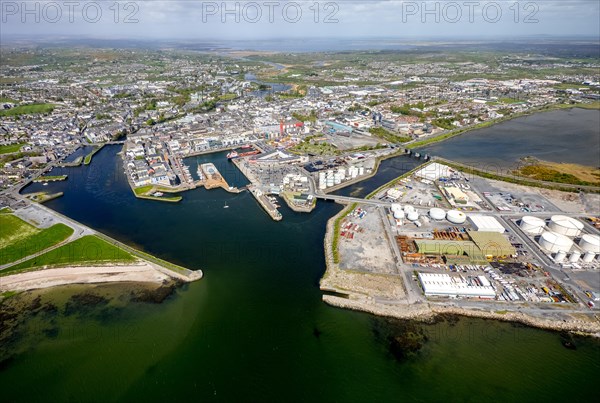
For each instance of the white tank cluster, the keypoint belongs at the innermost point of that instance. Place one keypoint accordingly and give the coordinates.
(564, 225)
(437, 214)
(397, 211)
(456, 217)
(553, 242)
(532, 225)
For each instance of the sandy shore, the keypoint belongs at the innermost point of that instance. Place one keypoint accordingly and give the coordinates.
(142, 273)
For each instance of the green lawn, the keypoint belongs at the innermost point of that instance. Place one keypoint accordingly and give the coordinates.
(11, 148)
(19, 239)
(27, 109)
(86, 250)
(141, 191)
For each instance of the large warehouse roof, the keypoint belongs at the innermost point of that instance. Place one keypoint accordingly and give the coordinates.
(450, 248)
(433, 171)
(446, 285)
(485, 223)
(492, 243)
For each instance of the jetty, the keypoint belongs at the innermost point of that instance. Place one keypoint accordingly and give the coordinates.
(266, 204)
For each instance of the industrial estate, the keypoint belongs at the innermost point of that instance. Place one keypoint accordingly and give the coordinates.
(442, 237)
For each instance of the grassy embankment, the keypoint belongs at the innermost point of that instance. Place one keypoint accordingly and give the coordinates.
(519, 180)
(145, 192)
(19, 239)
(27, 110)
(388, 136)
(87, 250)
(573, 174)
(88, 158)
(11, 148)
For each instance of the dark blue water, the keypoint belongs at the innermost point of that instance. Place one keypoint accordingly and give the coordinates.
(255, 328)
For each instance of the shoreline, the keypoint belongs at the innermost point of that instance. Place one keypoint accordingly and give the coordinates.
(142, 272)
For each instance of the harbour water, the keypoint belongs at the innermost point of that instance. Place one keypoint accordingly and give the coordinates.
(566, 135)
(255, 328)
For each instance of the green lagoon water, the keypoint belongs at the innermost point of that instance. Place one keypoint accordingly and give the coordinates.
(255, 327)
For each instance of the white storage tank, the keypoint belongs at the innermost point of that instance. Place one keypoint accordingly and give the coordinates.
(408, 208)
(456, 217)
(437, 213)
(412, 215)
(589, 257)
(553, 242)
(574, 256)
(322, 180)
(399, 214)
(564, 225)
(396, 207)
(590, 243)
(532, 225)
(560, 256)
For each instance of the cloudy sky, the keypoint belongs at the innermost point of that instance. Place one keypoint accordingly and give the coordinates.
(239, 20)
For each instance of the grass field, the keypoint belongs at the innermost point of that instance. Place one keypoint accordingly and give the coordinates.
(11, 148)
(86, 250)
(561, 173)
(19, 239)
(27, 109)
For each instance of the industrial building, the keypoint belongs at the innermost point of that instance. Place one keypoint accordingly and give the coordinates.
(454, 193)
(433, 172)
(442, 284)
(486, 223)
(451, 250)
(492, 244)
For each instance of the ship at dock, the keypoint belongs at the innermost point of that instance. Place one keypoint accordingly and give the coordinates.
(232, 155)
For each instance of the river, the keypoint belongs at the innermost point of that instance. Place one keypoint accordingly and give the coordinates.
(255, 328)
(566, 135)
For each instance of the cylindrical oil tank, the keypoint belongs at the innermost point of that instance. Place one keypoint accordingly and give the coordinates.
(574, 256)
(412, 215)
(564, 225)
(589, 257)
(553, 242)
(399, 214)
(437, 213)
(532, 225)
(408, 208)
(456, 217)
(396, 207)
(590, 243)
(560, 256)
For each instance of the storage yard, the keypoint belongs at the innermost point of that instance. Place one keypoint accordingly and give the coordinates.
(451, 239)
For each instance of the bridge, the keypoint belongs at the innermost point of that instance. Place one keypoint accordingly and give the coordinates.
(348, 199)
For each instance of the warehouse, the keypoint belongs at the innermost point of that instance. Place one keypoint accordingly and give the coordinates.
(452, 249)
(442, 284)
(486, 223)
(433, 172)
(492, 244)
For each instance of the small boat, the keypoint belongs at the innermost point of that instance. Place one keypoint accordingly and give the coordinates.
(232, 155)
(225, 206)
(45, 184)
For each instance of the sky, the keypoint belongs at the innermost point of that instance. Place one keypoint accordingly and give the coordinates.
(270, 19)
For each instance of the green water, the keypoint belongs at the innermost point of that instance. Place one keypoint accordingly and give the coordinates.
(255, 327)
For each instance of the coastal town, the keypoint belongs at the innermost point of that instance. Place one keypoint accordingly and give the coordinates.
(443, 237)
